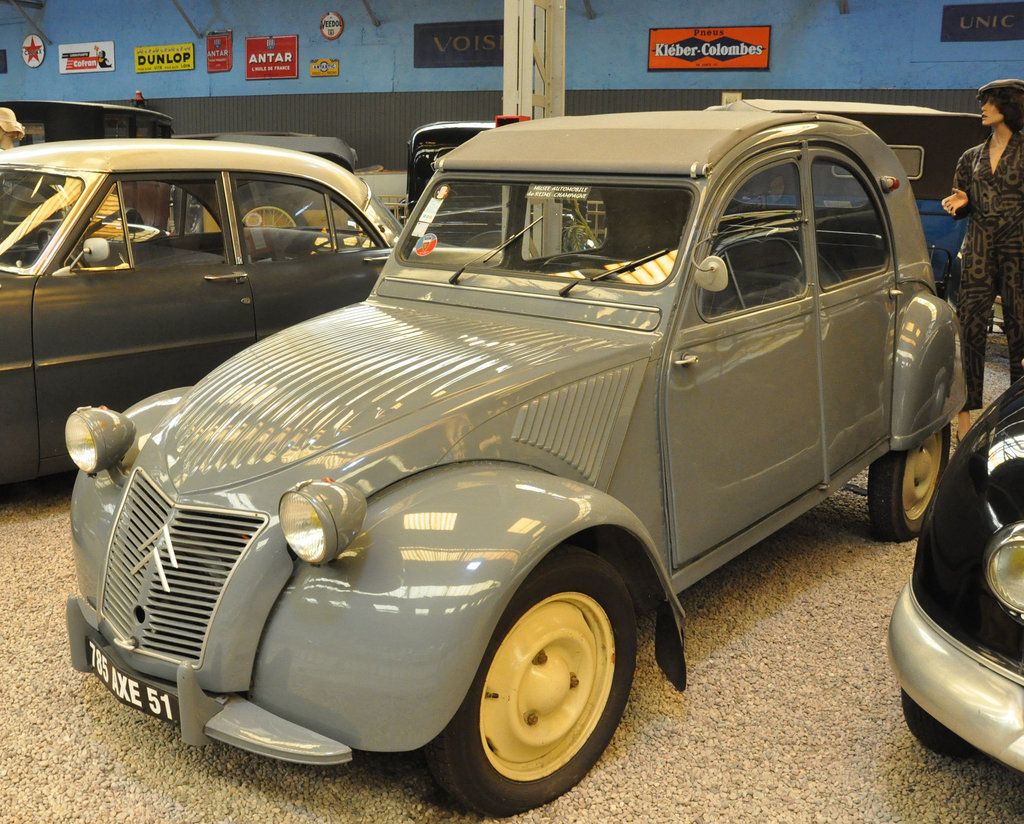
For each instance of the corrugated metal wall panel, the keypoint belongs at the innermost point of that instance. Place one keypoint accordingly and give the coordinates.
(378, 125)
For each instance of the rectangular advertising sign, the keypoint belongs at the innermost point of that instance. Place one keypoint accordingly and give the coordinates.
(983, 22)
(75, 58)
(458, 45)
(272, 58)
(218, 51)
(172, 58)
(709, 47)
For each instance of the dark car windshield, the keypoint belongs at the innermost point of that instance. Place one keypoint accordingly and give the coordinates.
(561, 229)
(32, 205)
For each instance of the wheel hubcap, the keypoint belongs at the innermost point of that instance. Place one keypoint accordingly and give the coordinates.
(921, 475)
(547, 686)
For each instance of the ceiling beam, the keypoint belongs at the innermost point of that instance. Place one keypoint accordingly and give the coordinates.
(38, 4)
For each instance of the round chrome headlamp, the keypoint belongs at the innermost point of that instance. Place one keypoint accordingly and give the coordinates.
(320, 518)
(1004, 568)
(97, 438)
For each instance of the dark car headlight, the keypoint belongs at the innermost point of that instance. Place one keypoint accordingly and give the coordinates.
(98, 438)
(320, 518)
(1004, 568)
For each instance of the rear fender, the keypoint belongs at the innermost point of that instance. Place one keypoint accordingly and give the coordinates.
(928, 386)
(378, 649)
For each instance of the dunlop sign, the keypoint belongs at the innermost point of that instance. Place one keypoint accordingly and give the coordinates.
(174, 58)
(713, 47)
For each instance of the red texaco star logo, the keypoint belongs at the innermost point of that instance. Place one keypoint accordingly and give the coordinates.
(32, 50)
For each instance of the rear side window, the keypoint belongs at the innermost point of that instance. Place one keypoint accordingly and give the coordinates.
(849, 230)
(284, 220)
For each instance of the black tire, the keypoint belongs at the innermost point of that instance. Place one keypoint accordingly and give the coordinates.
(931, 733)
(522, 737)
(902, 484)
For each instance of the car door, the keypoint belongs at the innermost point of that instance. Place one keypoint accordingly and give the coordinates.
(742, 405)
(307, 250)
(17, 384)
(856, 276)
(154, 303)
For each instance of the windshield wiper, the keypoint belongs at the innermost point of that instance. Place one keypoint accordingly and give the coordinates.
(618, 270)
(488, 255)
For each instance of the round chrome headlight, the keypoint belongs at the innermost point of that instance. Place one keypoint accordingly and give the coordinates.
(1004, 568)
(320, 518)
(97, 438)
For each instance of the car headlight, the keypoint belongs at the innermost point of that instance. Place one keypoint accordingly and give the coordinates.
(320, 518)
(98, 438)
(1004, 568)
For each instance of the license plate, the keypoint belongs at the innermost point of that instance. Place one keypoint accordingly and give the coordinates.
(130, 690)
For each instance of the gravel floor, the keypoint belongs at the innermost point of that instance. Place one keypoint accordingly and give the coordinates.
(791, 714)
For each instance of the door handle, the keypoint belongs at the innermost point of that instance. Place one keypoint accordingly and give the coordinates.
(235, 277)
(686, 360)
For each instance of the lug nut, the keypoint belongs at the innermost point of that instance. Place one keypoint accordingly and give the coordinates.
(573, 681)
(531, 719)
(541, 658)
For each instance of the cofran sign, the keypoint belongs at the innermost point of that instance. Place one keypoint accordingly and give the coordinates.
(985, 21)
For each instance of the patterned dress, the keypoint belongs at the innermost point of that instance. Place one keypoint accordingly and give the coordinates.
(993, 257)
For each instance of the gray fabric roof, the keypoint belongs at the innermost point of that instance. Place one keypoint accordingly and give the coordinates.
(669, 142)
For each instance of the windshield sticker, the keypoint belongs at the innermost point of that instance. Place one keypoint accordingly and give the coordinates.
(559, 191)
(430, 212)
(425, 245)
(442, 192)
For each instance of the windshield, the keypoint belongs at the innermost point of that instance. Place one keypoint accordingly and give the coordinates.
(32, 205)
(568, 230)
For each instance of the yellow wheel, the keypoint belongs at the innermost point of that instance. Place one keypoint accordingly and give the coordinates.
(549, 693)
(268, 217)
(902, 484)
(547, 686)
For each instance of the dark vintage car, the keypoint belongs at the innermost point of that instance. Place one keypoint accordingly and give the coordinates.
(956, 638)
(131, 266)
(48, 121)
(608, 355)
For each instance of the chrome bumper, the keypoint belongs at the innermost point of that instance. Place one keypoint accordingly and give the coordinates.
(229, 719)
(972, 698)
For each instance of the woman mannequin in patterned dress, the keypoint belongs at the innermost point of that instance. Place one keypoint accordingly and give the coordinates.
(989, 186)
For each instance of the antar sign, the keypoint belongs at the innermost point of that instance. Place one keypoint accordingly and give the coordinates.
(272, 58)
(709, 48)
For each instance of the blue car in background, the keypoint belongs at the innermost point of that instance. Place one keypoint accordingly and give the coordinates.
(928, 142)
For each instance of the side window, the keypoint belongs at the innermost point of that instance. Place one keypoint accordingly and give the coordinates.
(150, 223)
(759, 238)
(109, 249)
(849, 231)
(282, 220)
(348, 231)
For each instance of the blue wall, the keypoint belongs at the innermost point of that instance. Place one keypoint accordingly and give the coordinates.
(879, 44)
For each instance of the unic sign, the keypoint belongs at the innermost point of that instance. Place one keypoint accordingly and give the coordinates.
(172, 58)
(984, 21)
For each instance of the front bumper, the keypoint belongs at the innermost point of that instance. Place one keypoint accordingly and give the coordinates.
(229, 719)
(973, 698)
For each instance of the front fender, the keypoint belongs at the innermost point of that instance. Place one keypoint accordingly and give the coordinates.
(379, 649)
(96, 498)
(928, 387)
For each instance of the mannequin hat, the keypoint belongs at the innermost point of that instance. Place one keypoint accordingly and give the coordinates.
(1010, 84)
(9, 123)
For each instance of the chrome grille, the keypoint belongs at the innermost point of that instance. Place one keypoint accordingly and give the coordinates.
(164, 596)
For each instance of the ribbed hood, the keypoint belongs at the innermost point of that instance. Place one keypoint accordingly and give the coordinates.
(326, 384)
